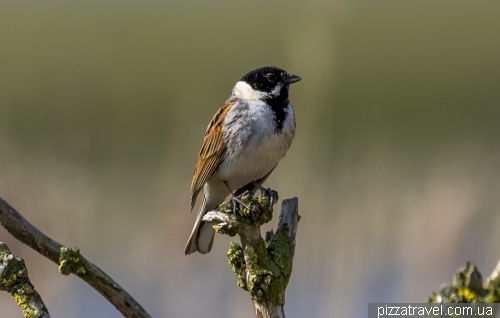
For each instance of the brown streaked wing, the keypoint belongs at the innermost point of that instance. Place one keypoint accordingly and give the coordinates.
(212, 151)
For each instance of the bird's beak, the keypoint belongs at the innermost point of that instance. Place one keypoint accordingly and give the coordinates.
(290, 79)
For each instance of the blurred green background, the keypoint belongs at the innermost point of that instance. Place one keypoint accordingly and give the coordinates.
(396, 161)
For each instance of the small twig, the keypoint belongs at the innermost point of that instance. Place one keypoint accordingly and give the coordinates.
(14, 280)
(69, 261)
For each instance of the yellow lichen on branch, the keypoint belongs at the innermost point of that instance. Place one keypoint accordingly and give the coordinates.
(14, 280)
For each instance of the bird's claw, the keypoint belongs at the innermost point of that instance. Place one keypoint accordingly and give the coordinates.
(237, 201)
(272, 193)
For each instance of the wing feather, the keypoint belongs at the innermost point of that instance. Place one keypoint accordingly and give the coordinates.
(212, 151)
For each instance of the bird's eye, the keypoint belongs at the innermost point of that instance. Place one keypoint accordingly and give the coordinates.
(270, 77)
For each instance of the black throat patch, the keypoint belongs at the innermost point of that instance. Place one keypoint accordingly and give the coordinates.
(278, 105)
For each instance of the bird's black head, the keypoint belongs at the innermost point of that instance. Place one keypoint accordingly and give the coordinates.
(269, 79)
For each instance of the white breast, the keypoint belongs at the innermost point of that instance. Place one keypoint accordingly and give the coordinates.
(254, 146)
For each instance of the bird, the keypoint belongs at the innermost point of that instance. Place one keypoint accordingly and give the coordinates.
(243, 144)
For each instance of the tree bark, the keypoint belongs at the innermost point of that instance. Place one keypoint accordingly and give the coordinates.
(262, 267)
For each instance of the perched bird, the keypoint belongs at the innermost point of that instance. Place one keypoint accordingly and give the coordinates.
(243, 143)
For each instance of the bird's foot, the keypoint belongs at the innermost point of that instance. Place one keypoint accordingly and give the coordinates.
(237, 201)
(272, 193)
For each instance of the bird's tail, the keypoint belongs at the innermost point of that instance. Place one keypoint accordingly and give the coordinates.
(202, 236)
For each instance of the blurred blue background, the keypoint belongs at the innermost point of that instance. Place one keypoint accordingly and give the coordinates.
(396, 161)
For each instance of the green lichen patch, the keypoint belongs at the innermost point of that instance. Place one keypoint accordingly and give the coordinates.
(12, 272)
(467, 287)
(263, 267)
(493, 286)
(71, 262)
(279, 247)
(263, 282)
(260, 209)
(237, 262)
(269, 265)
(14, 280)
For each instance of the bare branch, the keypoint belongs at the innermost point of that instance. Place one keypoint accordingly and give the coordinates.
(69, 261)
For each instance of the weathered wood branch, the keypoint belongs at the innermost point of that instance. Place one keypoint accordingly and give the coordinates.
(262, 267)
(14, 280)
(70, 261)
